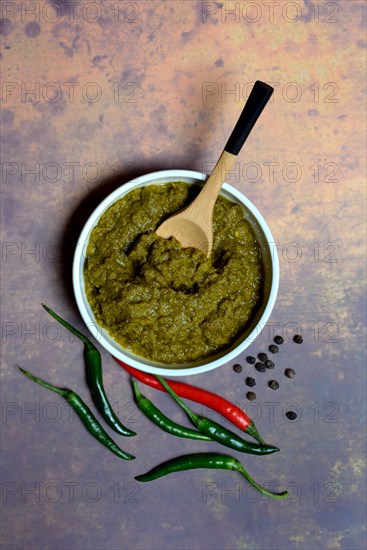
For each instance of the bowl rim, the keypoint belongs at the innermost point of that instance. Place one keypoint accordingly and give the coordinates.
(99, 333)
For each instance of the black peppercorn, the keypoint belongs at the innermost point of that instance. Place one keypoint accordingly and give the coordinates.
(260, 367)
(251, 382)
(273, 384)
(278, 339)
(291, 415)
(262, 357)
(297, 338)
(290, 373)
(269, 364)
(273, 348)
(251, 396)
(251, 360)
(237, 368)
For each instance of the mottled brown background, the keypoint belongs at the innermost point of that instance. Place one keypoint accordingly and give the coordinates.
(95, 93)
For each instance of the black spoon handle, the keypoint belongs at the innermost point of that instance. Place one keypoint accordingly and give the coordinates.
(258, 98)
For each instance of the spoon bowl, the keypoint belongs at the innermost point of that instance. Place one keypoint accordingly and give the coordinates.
(187, 231)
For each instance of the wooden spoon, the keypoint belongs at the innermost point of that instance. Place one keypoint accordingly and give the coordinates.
(193, 226)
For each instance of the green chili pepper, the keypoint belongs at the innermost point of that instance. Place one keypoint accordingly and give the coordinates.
(165, 423)
(217, 432)
(95, 378)
(205, 460)
(85, 414)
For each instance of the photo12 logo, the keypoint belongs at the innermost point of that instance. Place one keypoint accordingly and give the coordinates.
(67, 172)
(270, 12)
(291, 92)
(54, 11)
(275, 412)
(68, 491)
(52, 412)
(316, 492)
(273, 171)
(69, 92)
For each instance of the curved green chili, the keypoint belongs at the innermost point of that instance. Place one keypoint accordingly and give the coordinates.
(95, 378)
(161, 420)
(85, 414)
(205, 460)
(217, 432)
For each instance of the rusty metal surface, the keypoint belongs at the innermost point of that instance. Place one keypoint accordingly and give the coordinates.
(96, 93)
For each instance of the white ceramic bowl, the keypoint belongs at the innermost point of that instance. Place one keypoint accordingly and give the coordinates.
(271, 278)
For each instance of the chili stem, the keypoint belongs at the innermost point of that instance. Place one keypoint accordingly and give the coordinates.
(261, 489)
(194, 417)
(69, 327)
(60, 391)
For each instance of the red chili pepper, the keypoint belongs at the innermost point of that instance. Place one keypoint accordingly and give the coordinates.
(227, 409)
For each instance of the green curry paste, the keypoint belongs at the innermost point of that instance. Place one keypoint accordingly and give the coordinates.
(161, 301)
